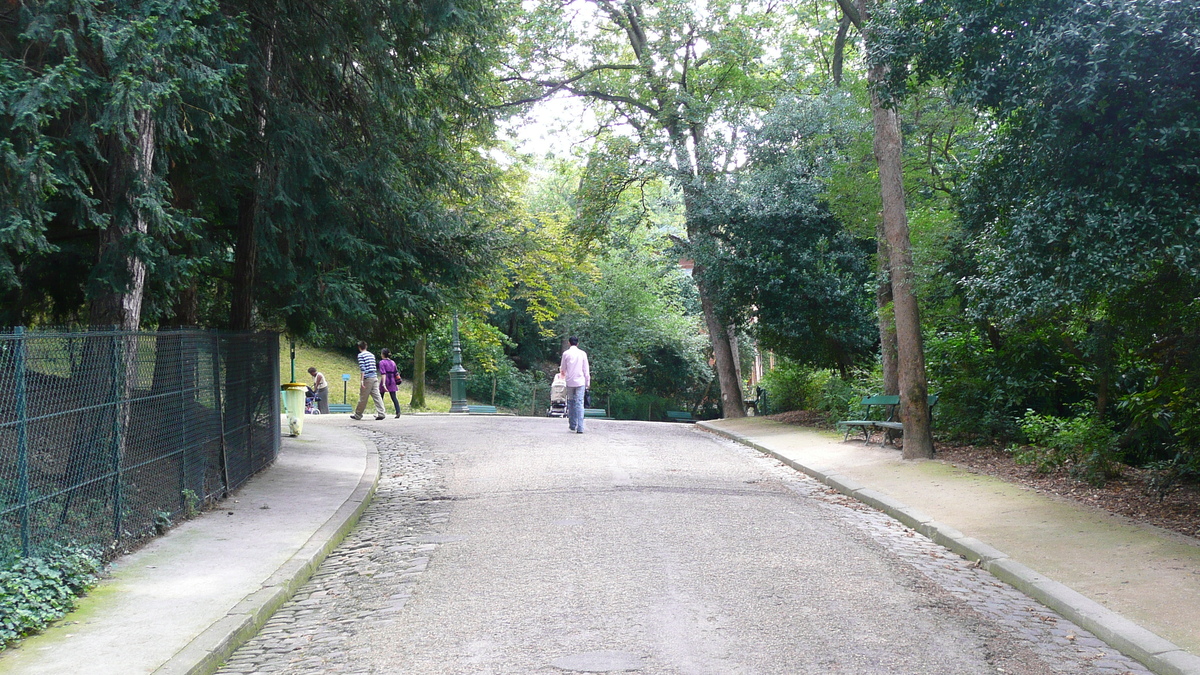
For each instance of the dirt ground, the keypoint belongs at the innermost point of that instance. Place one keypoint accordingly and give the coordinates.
(1129, 495)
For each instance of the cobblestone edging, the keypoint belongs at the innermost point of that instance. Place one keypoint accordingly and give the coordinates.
(208, 650)
(367, 579)
(1083, 616)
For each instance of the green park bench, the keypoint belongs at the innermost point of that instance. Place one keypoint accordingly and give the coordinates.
(481, 409)
(340, 408)
(886, 419)
(679, 416)
(599, 413)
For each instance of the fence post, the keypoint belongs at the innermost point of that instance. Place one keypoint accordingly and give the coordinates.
(117, 396)
(22, 440)
(277, 437)
(183, 426)
(220, 412)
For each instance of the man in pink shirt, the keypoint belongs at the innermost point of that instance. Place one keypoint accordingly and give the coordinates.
(578, 375)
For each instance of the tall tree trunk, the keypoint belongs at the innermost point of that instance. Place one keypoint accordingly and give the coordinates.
(245, 264)
(732, 403)
(417, 401)
(736, 352)
(910, 352)
(724, 357)
(887, 320)
(118, 301)
(1103, 359)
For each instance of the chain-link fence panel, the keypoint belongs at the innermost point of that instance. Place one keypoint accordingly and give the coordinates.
(108, 436)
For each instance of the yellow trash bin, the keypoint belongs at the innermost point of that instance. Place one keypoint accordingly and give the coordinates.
(293, 406)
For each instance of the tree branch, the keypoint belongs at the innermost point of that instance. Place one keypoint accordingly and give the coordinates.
(552, 87)
(851, 12)
(839, 49)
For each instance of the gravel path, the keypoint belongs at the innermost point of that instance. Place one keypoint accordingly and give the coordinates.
(506, 545)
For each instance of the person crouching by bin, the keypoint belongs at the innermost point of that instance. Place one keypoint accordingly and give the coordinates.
(320, 389)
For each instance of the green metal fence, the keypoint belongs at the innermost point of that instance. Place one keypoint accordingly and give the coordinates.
(106, 436)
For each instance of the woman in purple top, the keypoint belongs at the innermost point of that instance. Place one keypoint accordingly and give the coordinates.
(389, 377)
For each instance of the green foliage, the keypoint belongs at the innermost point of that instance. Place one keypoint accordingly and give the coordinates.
(1085, 443)
(790, 386)
(841, 398)
(636, 329)
(1075, 269)
(89, 91)
(628, 405)
(191, 504)
(1167, 475)
(483, 355)
(37, 590)
(794, 386)
(984, 385)
(777, 260)
(326, 157)
(1090, 183)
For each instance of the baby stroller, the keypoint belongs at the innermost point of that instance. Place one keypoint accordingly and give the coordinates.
(558, 397)
(311, 402)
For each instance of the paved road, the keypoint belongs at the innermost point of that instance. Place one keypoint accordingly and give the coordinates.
(509, 546)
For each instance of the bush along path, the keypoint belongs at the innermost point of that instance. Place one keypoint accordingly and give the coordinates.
(35, 591)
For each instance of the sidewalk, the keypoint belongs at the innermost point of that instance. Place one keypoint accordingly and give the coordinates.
(182, 603)
(1136, 587)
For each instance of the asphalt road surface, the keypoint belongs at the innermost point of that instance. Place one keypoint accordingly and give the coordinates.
(503, 545)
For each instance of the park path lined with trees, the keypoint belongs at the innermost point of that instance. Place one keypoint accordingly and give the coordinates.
(508, 545)
(998, 203)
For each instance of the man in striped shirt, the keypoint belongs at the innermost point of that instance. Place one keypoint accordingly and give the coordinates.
(368, 385)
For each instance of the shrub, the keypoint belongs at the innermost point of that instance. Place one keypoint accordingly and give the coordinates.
(37, 590)
(789, 387)
(628, 405)
(1167, 475)
(1087, 444)
(840, 399)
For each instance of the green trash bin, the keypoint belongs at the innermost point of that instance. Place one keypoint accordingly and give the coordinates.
(293, 406)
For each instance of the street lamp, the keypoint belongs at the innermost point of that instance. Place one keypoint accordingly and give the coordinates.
(458, 375)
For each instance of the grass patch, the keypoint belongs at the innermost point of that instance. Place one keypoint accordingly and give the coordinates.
(334, 363)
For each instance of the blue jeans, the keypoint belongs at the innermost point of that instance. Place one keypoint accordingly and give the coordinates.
(575, 407)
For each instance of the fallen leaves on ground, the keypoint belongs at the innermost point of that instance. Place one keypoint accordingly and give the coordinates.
(1128, 496)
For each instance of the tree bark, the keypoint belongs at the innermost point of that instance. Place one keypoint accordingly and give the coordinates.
(851, 14)
(735, 350)
(417, 401)
(887, 321)
(910, 351)
(732, 403)
(119, 302)
(245, 264)
(1103, 359)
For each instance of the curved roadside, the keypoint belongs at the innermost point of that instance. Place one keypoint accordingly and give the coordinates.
(185, 602)
(1086, 565)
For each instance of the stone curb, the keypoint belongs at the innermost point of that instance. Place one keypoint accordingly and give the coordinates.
(205, 654)
(1157, 654)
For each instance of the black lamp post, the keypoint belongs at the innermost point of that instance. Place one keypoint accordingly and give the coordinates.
(458, 375)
